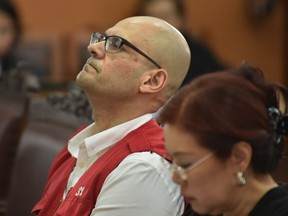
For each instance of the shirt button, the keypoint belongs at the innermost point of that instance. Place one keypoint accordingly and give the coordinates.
(81, 164)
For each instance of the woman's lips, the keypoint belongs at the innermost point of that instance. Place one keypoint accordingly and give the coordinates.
(189, 199)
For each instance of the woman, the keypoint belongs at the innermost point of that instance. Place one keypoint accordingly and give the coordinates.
(16, 73)
(225, 132)
(10, 31)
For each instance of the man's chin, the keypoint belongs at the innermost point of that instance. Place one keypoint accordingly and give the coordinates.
(80, 78)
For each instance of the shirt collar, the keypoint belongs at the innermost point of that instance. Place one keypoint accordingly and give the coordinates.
(95, 143)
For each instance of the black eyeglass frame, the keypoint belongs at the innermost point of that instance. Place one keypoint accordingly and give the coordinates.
(105, 37)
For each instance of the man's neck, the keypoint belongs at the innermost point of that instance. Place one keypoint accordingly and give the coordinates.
(106, 119)
(107, 114)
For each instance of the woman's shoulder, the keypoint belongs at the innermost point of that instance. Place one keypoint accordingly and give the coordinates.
(274, 203)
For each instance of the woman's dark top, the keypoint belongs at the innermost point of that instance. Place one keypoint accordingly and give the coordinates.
(274, 203)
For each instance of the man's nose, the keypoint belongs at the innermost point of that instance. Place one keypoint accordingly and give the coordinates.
(97, 49)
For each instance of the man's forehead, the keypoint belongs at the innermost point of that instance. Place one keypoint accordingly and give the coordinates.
(130, 29)
(140, 22)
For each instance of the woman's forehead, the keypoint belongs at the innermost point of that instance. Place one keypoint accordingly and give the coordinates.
(179, 138)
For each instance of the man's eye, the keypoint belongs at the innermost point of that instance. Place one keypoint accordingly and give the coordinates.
(99, 36)
(115, 43)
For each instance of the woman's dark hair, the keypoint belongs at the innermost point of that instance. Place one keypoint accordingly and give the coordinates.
(9, 9)
(223, 108)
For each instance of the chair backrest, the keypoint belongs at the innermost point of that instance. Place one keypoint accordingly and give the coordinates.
(46, 134)
(13, 116)
(39, 145)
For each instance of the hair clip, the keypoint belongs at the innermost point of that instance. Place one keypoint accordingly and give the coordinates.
(279, 124)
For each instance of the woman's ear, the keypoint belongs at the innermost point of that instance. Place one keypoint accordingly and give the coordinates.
(241, 156)
(154, 81)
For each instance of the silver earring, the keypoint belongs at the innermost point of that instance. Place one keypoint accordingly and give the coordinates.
(241, 179)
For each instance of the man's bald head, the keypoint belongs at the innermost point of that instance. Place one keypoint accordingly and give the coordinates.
(164, 43)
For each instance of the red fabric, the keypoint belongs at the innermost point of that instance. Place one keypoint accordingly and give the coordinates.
(81, 199)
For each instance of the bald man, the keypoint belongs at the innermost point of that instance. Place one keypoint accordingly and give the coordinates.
(114, 166)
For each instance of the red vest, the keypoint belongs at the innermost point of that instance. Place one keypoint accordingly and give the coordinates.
(81, 199)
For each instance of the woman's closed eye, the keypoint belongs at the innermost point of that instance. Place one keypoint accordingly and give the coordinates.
(183, 165)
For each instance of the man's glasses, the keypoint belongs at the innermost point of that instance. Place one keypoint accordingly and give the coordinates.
(114, 43)
(181, 172)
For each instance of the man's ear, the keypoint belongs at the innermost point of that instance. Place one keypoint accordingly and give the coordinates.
(153, 81)
(241, 156)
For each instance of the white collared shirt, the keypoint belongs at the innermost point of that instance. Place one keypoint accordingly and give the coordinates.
(140, 185)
